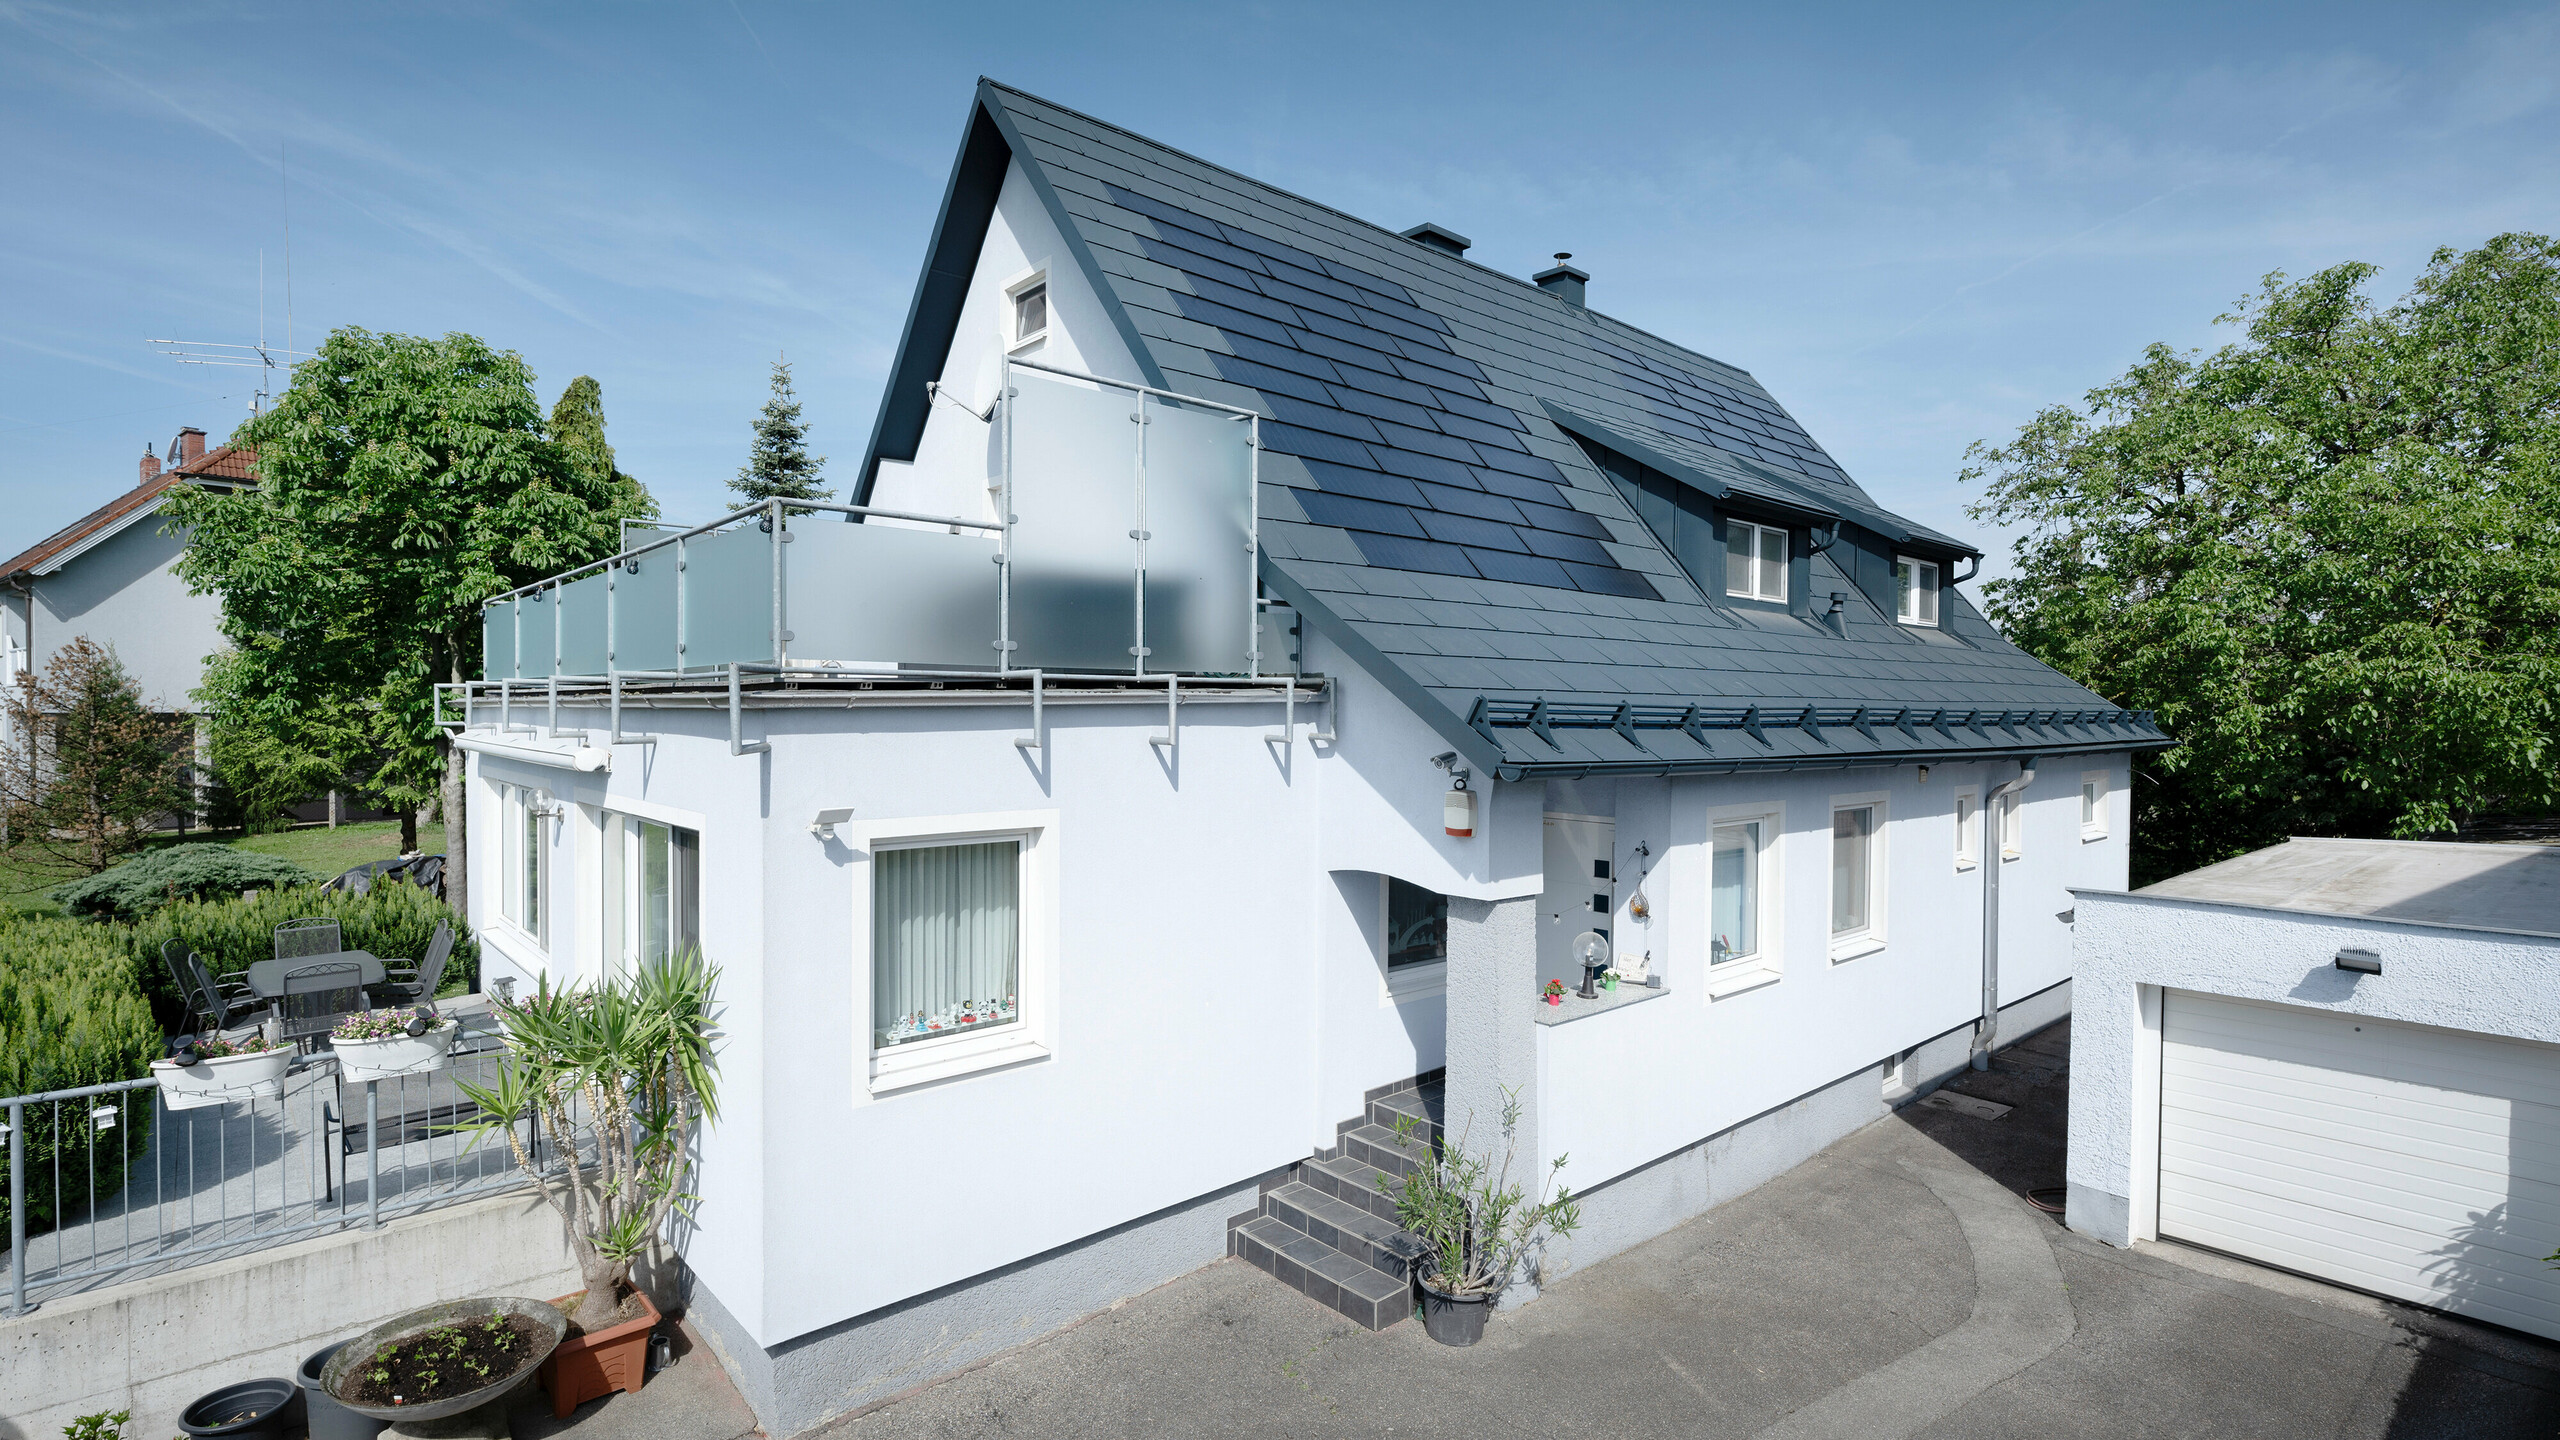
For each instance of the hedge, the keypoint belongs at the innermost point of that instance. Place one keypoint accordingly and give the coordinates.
(393, 921)
(181, 872)
(71, 1014)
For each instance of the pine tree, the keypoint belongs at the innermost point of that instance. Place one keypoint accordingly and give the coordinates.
(780, 463)
(577, 425)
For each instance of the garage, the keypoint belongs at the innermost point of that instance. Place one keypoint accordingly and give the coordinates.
(2340, 1057)
(2411, 1161)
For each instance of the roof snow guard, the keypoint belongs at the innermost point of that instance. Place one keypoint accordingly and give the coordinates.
(1538, 738)
(1431, 494)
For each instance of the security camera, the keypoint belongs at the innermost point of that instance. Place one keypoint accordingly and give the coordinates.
(1446, 759)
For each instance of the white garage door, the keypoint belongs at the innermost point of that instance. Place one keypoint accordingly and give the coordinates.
(2417, 1163)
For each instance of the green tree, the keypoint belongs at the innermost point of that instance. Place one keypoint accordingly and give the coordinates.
(2328, 555)
(577, 423)
(91, 768)
(779, 463)
(401, 481)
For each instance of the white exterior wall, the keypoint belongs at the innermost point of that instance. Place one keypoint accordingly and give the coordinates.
(957, 458)
(122, 594)
(1624, 1087)
(2129, 948)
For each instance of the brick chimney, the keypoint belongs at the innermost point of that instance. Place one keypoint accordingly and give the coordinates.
(190, 445)
(150, 466)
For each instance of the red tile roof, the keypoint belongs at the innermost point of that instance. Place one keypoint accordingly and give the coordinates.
(230, 462)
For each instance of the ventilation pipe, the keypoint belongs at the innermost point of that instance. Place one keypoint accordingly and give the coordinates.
(1986, 1033)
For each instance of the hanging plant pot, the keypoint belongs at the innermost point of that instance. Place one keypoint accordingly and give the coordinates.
(1454, 1319)
(220, 1079)
(387, 1057)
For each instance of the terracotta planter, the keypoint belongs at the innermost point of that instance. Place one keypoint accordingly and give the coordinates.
(217, 1081)
(599, 1364)
(393, 1056)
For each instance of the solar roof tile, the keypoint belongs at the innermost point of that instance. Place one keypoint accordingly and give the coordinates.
(1396, 552)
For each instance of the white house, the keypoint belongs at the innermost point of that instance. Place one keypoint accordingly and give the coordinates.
(1118, 826)
(2341, 1057)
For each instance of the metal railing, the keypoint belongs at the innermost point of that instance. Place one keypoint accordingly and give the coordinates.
(105, 1181)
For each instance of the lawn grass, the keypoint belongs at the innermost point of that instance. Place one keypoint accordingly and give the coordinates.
(317, 848)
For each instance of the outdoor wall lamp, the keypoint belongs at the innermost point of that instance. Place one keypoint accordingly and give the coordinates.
(824, 826)
(2360, 962)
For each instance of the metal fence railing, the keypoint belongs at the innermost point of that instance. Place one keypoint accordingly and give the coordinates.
(106, 1182)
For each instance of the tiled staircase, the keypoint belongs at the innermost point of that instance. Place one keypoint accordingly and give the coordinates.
(1327, 1228)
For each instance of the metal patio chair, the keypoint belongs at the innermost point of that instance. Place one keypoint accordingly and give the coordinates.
(316, 936)
(220, 1009)
(416, 984)
(315, 996)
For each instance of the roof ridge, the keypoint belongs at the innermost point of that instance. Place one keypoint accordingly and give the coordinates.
(1431, 255)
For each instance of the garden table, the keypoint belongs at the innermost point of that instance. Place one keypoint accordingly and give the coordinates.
(266, 977)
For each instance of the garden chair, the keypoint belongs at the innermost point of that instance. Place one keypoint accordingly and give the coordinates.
(298, 938)
(220, 1009)
(416, 984)
(315, 995)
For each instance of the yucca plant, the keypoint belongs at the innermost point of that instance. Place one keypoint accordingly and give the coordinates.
(1479, 1223)
(630, 1064)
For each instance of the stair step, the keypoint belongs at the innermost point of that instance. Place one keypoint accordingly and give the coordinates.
(1424, 1108)
(1353, 1181)
(1378, 1146)
(1323, 1274)
(1370, 1239)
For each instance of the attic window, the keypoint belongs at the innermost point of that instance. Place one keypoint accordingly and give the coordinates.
(1915, 591)
(1030, 310)
(1755, 561)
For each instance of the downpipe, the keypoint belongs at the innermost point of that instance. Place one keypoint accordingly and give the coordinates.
(1986, 1033)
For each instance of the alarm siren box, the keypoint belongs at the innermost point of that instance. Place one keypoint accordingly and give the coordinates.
(1458, 813)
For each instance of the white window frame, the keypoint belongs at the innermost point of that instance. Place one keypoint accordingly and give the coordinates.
(1937, 591)
(1768, 966)
(2093, 805)
(515, 804)
(1786, 551)
(1014, 342)
(608, 844)
(1871, 938)
(1968, 816)
(1033, 1036)
(1413, 982)
(2013, 825)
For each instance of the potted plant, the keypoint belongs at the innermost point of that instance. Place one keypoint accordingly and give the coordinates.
(386, 1044)
(622, 1071)
(1477, 1224)
(435, 1363)
(211, 1069)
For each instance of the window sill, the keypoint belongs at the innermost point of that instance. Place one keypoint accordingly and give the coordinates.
(1027, 343)
(517, 941)
(2091, 836)
(926, 1061)
(1415, 982)
(2008, 855)
(1740, 978)
(1856, 947)
(1967, 863)
(1576, 1008)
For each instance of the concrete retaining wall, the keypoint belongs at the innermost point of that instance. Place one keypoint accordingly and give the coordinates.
(151, 1346)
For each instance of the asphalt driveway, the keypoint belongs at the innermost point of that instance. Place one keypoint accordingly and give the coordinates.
(1897, 1284)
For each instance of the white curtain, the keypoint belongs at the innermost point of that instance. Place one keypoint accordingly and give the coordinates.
(945, 939)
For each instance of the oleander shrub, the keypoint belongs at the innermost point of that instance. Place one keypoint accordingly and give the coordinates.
(72, 1014)
(180, 872)
(394, 921)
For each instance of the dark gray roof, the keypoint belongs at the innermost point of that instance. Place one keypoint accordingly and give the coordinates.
(1426, 504)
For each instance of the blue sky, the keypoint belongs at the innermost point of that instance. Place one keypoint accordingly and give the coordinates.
(1916, 225)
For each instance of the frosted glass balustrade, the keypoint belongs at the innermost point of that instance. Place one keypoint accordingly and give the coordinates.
(1074, 449)
(1200, 609)
(728, 597)
(878, 593)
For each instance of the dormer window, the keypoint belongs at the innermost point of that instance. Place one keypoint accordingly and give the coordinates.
(1915, 591)
(1030, 310)
(1755, 561)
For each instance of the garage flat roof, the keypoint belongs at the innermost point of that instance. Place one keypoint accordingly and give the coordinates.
(2427, 882)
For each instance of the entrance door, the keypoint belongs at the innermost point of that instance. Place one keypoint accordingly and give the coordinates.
(1581, 894)
(2414, 1162)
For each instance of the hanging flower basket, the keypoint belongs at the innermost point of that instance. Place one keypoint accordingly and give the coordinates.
(387, 1044)
(215, 1071)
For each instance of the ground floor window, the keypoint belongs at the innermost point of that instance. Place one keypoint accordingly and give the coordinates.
(652, 891)
(1735, 883)
(524, 861)
(946, 939)
(1417, 925)
(1857, 875)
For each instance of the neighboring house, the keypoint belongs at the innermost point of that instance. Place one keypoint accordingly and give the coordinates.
(109, 576)
(2340, 1057)
(1067, 903)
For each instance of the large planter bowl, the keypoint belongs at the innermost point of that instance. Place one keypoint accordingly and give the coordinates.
(393, 1056)
(357, 1352)
(1454, 1319)
(210, 1415)
(615, 1358)
(220, 1081)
